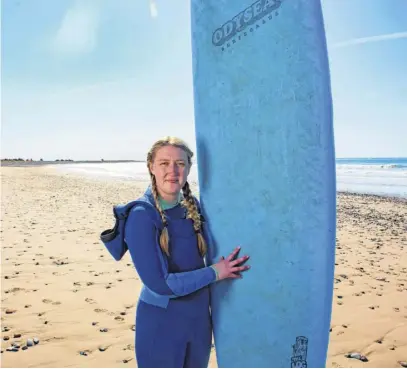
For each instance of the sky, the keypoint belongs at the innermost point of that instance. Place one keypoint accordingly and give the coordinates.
(92, 79)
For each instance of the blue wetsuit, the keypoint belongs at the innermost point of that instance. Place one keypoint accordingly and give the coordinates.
(177, 333)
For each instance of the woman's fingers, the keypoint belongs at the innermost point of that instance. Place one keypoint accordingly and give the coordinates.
(239, 260)
(239, 269)
(233, 253)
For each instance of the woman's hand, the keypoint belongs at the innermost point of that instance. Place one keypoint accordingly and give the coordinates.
(228, 268)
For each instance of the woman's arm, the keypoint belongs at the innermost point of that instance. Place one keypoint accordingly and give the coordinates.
(142, 241)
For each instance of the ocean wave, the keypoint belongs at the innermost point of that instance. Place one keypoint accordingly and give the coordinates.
(371, 166)
(399, 166)
(376, 178)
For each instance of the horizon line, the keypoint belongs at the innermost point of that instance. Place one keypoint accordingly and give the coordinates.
(143, 160)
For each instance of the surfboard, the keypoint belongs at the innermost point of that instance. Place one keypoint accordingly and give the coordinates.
(266, 172)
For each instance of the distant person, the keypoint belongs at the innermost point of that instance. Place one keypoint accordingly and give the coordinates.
(166, 239)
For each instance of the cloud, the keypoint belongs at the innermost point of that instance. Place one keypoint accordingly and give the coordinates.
(78, 30)
(365, 40)
(153, 9)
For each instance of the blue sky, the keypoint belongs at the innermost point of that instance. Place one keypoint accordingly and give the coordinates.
(91, 79)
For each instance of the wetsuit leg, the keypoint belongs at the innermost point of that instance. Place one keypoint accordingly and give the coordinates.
(199, 345)
(161, 337)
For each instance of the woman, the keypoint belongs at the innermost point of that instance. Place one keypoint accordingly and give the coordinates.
(166, 241)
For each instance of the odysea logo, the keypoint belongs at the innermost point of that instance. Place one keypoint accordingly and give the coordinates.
(244, 19)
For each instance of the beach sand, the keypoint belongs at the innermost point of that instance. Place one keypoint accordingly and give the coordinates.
(60, 285)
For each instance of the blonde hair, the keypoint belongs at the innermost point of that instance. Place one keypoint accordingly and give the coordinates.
(188, 202)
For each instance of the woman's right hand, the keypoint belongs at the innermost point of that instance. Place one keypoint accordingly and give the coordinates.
(229, 268)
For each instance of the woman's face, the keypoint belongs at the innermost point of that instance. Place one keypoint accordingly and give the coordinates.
(170, 168)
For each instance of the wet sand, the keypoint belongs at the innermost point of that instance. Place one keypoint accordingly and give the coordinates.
(59, 284)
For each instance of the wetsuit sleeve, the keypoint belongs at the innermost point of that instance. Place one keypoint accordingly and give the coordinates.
(142, 242)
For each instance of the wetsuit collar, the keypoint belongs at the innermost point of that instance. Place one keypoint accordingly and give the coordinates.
(165, 205)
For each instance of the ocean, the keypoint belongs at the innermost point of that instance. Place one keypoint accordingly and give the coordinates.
(376, 176)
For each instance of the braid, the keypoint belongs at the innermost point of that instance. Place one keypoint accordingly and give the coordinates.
(188, 201)
(193, 214)
(164, 238)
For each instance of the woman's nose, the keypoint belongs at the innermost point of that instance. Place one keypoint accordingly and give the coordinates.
(173, 168)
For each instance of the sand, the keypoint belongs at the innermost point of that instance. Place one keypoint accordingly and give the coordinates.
(60, 285)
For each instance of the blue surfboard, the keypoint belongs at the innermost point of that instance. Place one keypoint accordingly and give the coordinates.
(266, 168)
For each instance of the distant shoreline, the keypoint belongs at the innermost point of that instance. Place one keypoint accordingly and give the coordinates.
(391, 198)
(21, 163)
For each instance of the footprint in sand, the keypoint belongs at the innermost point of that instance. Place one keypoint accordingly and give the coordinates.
(129, 347)
(100, 310)
(60, 262)
(48, 301)
(90, 301)
(15, 289)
